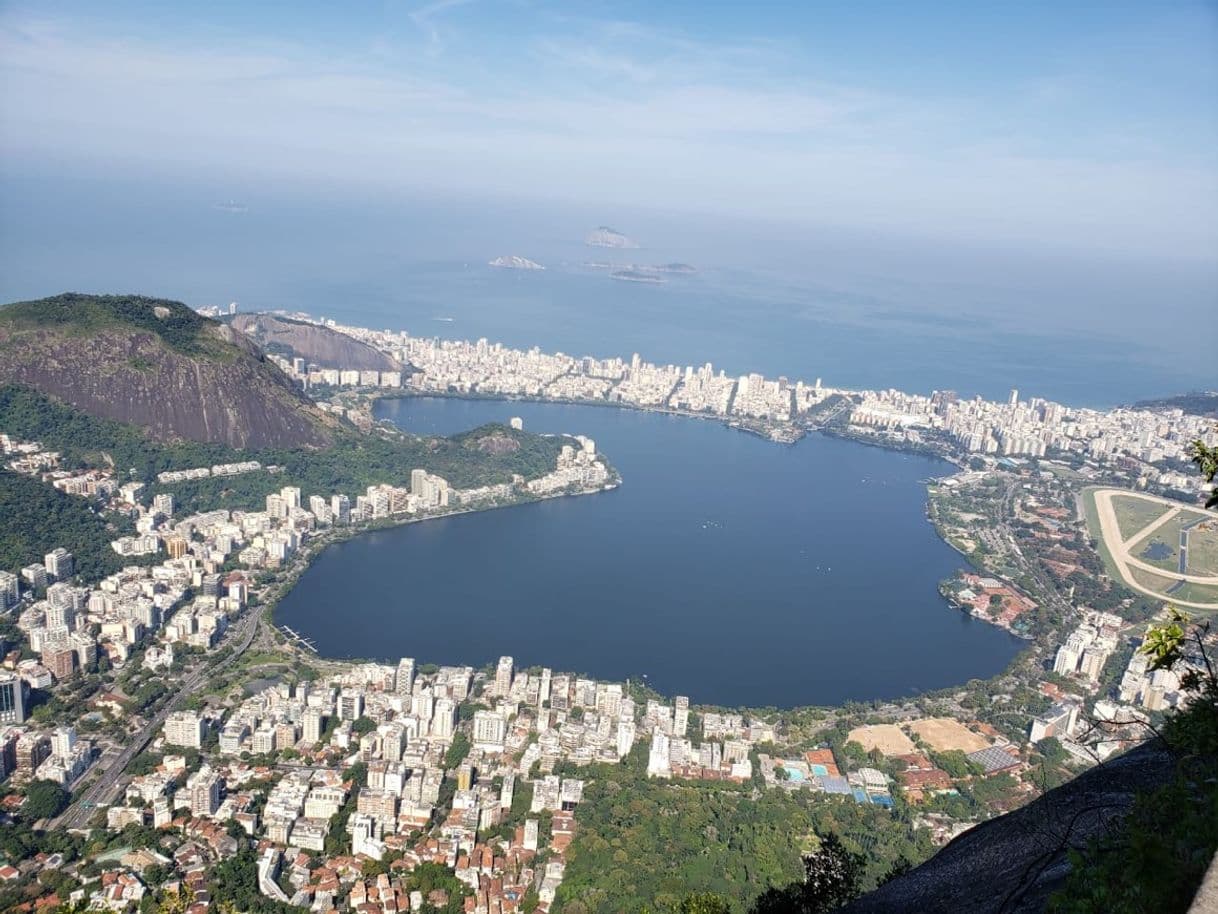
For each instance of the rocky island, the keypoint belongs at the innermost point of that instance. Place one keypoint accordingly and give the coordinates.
(513, 262)
(634, 275)
(605, 237)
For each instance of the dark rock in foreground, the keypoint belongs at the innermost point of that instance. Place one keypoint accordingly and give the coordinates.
(1012, 864)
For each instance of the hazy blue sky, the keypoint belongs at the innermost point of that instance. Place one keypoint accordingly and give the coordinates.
(1089, 125)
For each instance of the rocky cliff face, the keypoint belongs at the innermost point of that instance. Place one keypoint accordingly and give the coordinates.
(320, 345)
(1014, 863)
(156, 364)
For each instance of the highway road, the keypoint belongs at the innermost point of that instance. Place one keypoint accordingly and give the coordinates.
(103, 789)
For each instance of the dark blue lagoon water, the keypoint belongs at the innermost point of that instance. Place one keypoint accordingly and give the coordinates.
(726, 567)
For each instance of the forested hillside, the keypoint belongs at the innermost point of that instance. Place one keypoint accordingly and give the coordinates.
(488, 455)
(36, 518)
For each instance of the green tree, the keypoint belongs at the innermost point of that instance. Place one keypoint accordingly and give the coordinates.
(1158, 856)
(1206, 459)
(704, 903)
(45, 800)
(833, 875)
(457, 751)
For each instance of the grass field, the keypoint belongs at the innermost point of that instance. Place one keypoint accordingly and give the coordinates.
(1133, 514)
(1203, 549)
(1193, 593)
(1156, 582)
(1202, 545)
(1161, 547)
(1197, 593)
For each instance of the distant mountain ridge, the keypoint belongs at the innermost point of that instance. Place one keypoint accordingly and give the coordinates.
(157, 364)
(314, 343)
(1197, 402)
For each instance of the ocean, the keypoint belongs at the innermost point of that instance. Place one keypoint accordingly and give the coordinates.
(856, 311)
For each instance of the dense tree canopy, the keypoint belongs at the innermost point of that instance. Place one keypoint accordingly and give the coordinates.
(45, 799)
(644, 842)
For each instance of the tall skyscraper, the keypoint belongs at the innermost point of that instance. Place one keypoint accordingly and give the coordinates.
(311, 724)
(340, 507)
(350, 704)
(10, 591)
(490, 730)
(1014, 399)
(12, 698)
(444, 718)
(63, 740)
(60, 564)
(184, 728)
(680, 722)
(418, 482)
(205, 786)
(503, 676)
(625, 737)
(404, 683)
(658, 764)
(543, 687)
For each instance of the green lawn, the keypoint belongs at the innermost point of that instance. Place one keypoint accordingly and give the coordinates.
(1158, 583)
(1197, 593)
(1133, 513)
(1203, 542)
(1192, 593)
(1203, 549)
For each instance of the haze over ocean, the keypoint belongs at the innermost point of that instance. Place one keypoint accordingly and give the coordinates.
(856, 309)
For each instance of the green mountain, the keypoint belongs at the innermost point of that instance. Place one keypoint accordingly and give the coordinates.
(159, 365)
(145, 385)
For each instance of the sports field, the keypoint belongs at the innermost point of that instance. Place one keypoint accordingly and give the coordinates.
(1135, 514)
(944, 734)
(888, 738)
(1140, 543)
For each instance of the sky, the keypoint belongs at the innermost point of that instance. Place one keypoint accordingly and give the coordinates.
(1089, 126)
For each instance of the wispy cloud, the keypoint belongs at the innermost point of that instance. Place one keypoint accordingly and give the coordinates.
(427, 18)
(610, 111)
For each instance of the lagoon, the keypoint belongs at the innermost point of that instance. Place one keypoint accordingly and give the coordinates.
(727, 568)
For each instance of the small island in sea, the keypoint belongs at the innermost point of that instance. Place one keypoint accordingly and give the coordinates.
(670, 268)
(637, 276)
(605, 237)
(513, 262)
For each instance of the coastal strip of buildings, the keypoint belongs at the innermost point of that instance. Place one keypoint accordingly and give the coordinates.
(1152, 444)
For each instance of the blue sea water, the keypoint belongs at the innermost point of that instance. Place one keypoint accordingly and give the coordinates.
(726, 567)
(855, 310)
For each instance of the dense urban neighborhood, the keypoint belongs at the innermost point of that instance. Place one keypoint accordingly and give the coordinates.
(176, 743)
